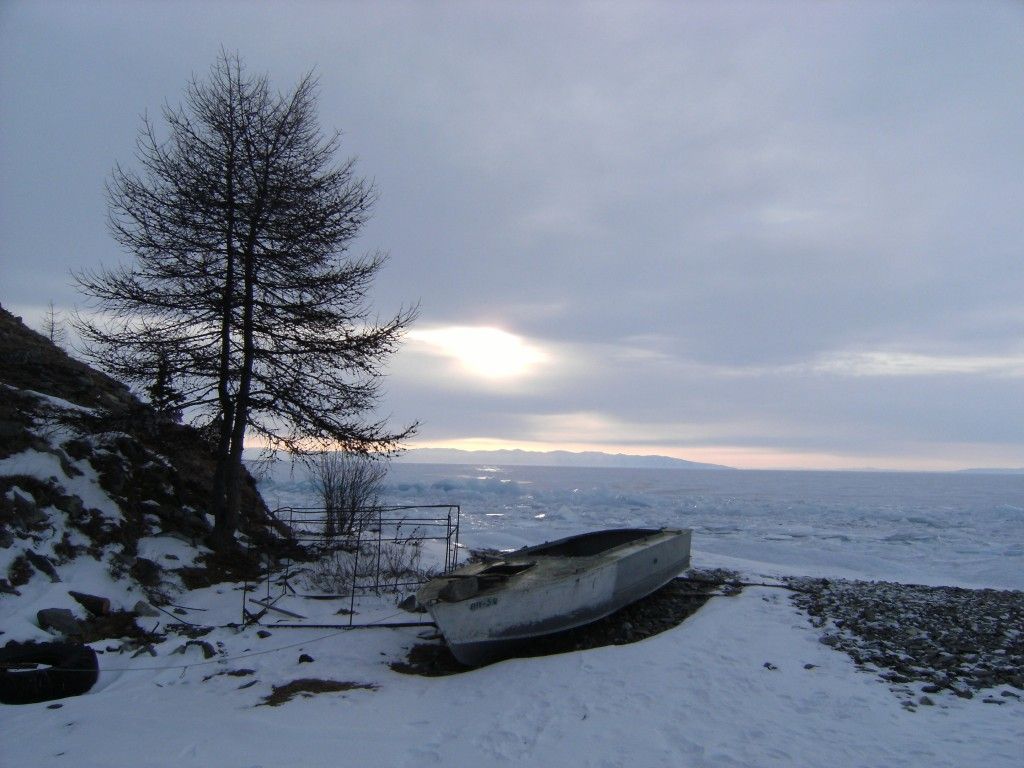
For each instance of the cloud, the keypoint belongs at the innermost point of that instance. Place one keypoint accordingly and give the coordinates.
(485, 353)
(913, 364)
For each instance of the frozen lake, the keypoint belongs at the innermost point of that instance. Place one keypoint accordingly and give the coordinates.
(933, 528)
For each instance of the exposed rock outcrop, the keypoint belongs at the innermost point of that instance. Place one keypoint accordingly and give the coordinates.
(88, 469)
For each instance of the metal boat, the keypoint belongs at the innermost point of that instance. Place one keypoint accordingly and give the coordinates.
(486, 609)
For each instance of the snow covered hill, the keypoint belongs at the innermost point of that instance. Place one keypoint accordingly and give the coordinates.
(97, 495)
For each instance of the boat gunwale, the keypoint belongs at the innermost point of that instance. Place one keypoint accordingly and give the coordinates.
(554, 568)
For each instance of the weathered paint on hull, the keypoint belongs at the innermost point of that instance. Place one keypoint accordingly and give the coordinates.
(558, 593)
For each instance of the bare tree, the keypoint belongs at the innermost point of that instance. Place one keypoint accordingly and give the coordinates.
(349, 488)
(53, 326)
(240, 221)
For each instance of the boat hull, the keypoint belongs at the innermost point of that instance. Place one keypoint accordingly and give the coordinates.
(558, 587)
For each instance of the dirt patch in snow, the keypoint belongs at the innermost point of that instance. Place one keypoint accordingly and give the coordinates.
(309, 686)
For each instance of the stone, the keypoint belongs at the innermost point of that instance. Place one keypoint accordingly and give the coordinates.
(305, 659)
(73, 505)
(148, 648)
(42, 564)
(205, 647)
(146, 572)
(263, 634)
(27, 513)
(59, 619)
(408, 604)
(926, 701)
(94, 604)
(142, 608)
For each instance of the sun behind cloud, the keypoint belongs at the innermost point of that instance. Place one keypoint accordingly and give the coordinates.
(483, 351)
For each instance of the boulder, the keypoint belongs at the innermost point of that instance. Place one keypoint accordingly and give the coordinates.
(146, 572)
(142, 608)
(94, 604)
(42, 563)
(59, 619)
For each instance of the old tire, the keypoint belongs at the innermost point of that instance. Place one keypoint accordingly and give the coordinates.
(72, 671)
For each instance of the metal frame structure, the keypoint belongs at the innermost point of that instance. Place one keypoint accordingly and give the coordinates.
(387, 525)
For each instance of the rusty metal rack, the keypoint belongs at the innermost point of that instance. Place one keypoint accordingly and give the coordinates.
(386, 525)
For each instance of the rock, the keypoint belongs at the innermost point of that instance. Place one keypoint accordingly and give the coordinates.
(60, 619)
(769, 665)
(926, 701)
(97, 606)
(263, 634)
(305, 659)
(73, 505)
(409, 604)
(142, 608)
(42, 564)
(146, 572)
(26, 513)
(207, 649)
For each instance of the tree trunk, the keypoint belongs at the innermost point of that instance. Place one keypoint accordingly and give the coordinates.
(233, 496)
(225, 515)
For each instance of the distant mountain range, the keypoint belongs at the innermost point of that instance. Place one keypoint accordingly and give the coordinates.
(549, 459)
(993, 471)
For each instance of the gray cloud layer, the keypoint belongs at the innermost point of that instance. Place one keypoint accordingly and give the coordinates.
(715, 217)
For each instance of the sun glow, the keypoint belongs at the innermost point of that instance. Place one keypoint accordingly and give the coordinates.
(489, 353)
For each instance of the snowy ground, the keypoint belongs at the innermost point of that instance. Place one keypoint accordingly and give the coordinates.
(698, 695)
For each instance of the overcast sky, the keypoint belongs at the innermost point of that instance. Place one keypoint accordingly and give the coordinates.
(759, 234)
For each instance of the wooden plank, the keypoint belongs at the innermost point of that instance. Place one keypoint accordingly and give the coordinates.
(271, 607)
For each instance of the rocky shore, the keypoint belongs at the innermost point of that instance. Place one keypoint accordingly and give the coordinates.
(923, 640)
(920, 640)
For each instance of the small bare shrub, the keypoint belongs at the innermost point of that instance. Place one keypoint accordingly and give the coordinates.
(333, 573)
(383, 569)
(348, 485)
